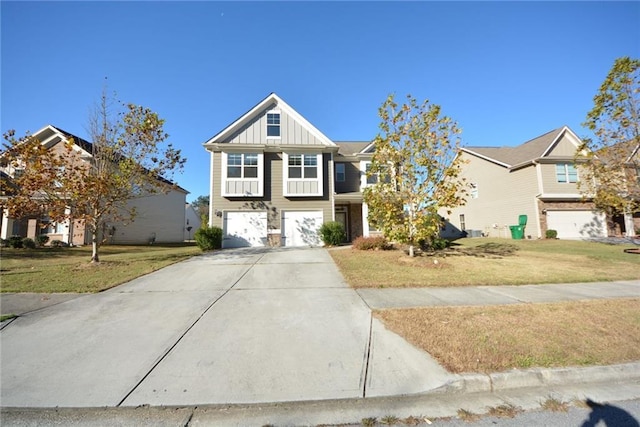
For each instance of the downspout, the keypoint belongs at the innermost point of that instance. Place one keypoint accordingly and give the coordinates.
(211, 191)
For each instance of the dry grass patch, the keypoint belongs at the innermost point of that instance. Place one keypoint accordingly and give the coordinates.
(498, 338)
(554, 404)
(467, 416)
(505, 411)
(526, 262)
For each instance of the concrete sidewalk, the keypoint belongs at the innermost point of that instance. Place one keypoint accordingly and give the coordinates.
(496, 295)
(235, 331)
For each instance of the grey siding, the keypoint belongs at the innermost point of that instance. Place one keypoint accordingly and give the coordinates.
(291, 132)
(352, 178)
(273, 202)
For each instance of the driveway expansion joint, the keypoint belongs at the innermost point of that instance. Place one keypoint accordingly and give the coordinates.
(166, 353)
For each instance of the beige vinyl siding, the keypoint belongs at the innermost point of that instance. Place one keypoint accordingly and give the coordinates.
(160, 215)
(273, 201)
(291, 132)
(352, 178)
(550, 184)
(565, 147)
(502, 197)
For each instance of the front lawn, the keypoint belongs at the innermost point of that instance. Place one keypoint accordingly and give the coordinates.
(534, 261)
(498, 338)
(69, 269)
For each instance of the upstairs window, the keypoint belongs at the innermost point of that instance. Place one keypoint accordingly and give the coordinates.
(566, 172)
(373, 178)
(273, 125)
(340, 173)
(242, 165)
(303, 166)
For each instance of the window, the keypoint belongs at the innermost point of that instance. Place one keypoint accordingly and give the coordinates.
(242, 165)
(371, 179)
(273, 125)
(18, 172)
(474, 190)
(303, 166)
(340, 174)
(566, 172)
(463, 225)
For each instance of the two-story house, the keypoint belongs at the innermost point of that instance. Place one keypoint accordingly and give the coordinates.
(275, 179)
(537, 178)
(160, 217)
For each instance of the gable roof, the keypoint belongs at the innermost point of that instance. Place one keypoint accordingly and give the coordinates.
(258, 109)
(84, 145)
(526, 152)
(351, 148)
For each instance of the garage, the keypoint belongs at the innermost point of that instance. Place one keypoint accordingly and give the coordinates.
(244, 229)
(577, 224)
(300, 228)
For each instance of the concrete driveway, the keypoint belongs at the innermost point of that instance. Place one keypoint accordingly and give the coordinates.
(235, 326)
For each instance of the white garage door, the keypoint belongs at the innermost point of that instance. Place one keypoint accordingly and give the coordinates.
(301, 228)
(577, 224)
(242, 229)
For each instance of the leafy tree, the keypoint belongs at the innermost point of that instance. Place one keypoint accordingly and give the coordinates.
(201, 205)
(417, 170)
(610, 172)
(128, 160)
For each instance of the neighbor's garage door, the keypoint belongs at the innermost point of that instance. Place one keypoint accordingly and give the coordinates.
(241, 229)
(577, 224)
(301, 228)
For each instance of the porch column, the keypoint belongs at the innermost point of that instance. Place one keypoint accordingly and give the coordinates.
(7, 225)
(365, 220)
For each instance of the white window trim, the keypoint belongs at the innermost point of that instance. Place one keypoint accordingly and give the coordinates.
(266, 124)
(566, 173)
(344, 172)
(286, 179)
(225, 179)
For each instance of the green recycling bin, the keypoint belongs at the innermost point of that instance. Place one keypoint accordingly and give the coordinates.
(517, 232)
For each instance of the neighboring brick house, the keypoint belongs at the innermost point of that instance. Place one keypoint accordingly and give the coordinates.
(537, 178)
(160, 217)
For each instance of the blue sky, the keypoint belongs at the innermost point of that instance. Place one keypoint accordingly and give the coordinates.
(505, 71)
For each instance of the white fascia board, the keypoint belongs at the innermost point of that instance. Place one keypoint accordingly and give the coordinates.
(575, 139)
(489, 159)
(283, 106)
(551, 196)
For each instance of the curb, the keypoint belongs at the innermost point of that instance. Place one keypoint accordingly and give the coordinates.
(541, 377)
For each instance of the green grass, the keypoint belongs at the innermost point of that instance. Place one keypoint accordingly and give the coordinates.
(69, 269)
(534, 261)
(7, 317)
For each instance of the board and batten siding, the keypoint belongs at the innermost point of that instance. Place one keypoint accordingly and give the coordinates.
(291, 132)
(502, 197)
(273, 201)
(240, 186)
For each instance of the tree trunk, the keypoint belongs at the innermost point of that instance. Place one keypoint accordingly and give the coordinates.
(94, 245)
(411, 253)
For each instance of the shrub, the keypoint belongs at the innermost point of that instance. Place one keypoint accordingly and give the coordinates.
(332, 233)
(15, 242)
(58, 244)
(42, 239)
(28, 243)
(371, 243)
(4, 243)
(551, 234)
(209, 238)
(436, 244)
